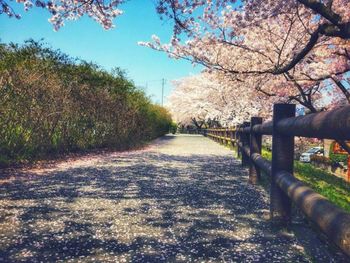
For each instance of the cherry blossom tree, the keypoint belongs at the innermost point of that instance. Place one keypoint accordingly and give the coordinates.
(228, 22)
(299, 25)
(331, 17)
(264, 47)
(208, 98)
(102, 11)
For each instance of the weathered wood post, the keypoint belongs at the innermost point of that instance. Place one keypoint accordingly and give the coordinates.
(255, 147)
(238, 140)
(222, 131)
(231, 133)
(234, 135)
(245, 143)
(224, 136)
(282, 160)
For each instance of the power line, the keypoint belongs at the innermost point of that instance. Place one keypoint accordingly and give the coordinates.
(163, 81)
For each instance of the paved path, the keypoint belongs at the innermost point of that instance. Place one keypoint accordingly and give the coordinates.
(184, 199)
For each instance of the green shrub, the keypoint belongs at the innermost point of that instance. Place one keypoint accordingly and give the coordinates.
(52, 103)
(337, 158)
(173, 128)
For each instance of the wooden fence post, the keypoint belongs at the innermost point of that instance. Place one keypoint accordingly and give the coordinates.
(245, 142)
(255, 147)
(282, 160)
(234, 135)
(231, 132)
(238, 140)
(222, 136)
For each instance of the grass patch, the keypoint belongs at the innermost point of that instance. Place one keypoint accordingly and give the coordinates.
(333, 188)
(266, 154)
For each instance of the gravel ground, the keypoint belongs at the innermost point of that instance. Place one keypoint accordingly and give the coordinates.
(183, 198)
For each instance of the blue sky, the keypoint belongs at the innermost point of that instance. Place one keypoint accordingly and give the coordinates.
(87, 40)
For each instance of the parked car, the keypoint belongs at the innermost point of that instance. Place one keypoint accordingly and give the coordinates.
(306, 156)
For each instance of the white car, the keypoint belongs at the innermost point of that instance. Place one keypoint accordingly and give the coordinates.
(306, 156)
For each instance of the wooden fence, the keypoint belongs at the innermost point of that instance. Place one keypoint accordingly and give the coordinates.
(285, 188)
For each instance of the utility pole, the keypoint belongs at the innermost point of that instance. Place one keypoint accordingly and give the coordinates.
(163, 83)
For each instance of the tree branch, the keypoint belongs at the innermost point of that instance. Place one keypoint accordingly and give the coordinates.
(322, 10)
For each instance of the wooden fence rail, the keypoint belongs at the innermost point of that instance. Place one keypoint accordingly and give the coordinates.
(285, 188)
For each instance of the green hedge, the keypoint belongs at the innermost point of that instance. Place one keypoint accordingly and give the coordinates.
(52, 103)
(337, 158)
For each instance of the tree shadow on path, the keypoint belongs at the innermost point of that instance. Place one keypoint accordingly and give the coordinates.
(145, 206)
